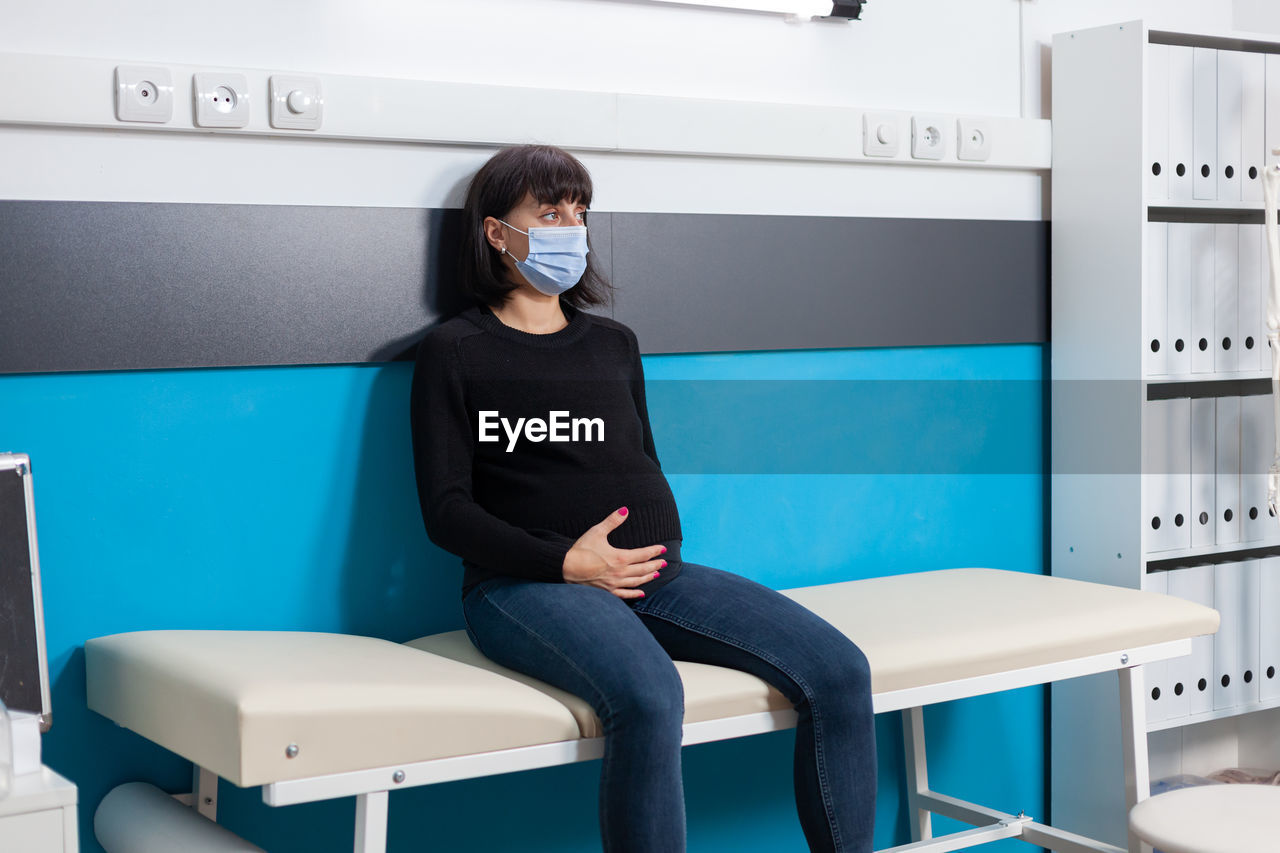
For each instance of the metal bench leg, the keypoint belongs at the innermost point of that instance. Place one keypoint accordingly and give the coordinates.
(1133, 743)
(371, 822)
(917, 773)
(204, 792)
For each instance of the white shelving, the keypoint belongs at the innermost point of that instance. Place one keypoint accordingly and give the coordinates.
(1159, 445)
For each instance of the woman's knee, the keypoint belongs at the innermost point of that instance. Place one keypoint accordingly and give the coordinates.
(652, 700)
(843, 672)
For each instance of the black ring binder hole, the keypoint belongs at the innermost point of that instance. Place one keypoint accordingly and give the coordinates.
(1248, 342)
(1253, 172)
(1271, 672)
(1226, 343)
(1226, 679)
(1155, 693)
(1201, 685)
(1204, 518)
(1181, 170)
(1204, 344)
(1179, 345)
(1253, 513)
(1231, 172)
(1177, 689)
(1248, 676)
(1155, 345)
(1155, 522)
(1178, 520)
(1205, 171)
(1155, 168)
(1226, 515)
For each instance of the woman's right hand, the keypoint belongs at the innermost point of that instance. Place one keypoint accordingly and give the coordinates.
(592, 560)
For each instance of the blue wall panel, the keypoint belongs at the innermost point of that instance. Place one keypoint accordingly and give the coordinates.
(283, 498)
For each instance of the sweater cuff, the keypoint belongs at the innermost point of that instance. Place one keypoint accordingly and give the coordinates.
(549, 561)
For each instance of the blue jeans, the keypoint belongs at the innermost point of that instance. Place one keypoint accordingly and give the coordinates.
(617, 655)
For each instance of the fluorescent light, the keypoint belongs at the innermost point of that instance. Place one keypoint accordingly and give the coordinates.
(783, 7)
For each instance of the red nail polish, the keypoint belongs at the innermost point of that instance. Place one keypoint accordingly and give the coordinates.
(642, 595)
(622, 511)
(664, 564)
(664, 550)
(655, 574)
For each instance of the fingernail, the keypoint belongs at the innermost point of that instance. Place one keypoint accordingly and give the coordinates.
(664, 564)
(655, 574)
(642, 595)
(622, 511)
(664, 550)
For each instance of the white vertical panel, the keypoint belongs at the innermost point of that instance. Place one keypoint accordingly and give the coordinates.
(1252, 336)
(1194, 673)
(1226, 486)
(1269, 629)
(1157, 126)
(1203, 415)
(1273, 107)
(1257, 440)
(1229, 125)
(1228, 599)
(1156, 675)
(1204, 138)
(1178, 270)
(1250, 631)
(1155, 301)
(1203, 295)
(1181, 126)
(1253, 70)
(1226, 287)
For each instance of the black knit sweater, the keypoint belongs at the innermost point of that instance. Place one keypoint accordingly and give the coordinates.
(513, 504)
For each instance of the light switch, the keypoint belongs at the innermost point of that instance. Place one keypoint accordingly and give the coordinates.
(297, 103)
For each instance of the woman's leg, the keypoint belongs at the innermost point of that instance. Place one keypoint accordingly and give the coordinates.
(716, 617)
(588, 641)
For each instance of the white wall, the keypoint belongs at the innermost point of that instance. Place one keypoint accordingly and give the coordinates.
(920, 55)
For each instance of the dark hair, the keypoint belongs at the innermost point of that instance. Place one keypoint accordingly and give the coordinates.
(551, 174)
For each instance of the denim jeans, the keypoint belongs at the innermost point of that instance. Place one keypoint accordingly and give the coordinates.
(617, 655)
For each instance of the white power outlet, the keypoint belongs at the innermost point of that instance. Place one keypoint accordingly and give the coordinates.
(973, 137)
(879, 135)
(296, 102)
(144, 93)
(221, 100)
(928, 139)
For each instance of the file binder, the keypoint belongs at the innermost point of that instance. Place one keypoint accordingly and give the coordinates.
(1269, 629)
(1228, 597)
(1166, 483)
(1155, 309)
(1203, 295)
(1226, 311)
(1257, 445)
(1272, 111)
(1194, 672)
(1204, 138)
(1253, 336)
(1181, 122)
(1157, 109)
(1229, 125)
(1226, 486)
(1178, 271)
(1253, 79)
(1156, 674)
(1203, 417)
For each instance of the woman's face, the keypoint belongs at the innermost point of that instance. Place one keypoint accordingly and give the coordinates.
(529, 213)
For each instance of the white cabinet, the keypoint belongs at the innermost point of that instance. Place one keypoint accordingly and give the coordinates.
(39, 815)
(1161, 427)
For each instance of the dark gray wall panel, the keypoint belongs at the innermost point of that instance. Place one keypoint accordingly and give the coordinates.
(120, 285)
(697, 283)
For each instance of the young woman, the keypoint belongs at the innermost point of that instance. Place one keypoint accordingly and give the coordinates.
(536, 465)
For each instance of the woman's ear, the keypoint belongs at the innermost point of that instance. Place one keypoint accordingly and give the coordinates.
(494, 234)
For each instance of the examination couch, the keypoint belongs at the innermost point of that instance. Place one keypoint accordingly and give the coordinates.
(314, 716)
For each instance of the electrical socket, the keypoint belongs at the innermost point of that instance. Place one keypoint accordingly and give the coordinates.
(221, 100)
(973, 139)
(144, 93)
(928, 140)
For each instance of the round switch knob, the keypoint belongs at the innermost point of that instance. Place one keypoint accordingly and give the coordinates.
(300, 101)
(887, 134)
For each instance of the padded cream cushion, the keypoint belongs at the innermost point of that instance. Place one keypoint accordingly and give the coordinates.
(710, 692)
(932, 627)
(232, 701)
(1211, 819)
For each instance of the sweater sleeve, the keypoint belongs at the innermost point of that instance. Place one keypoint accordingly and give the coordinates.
(443, 449)
(637, 393)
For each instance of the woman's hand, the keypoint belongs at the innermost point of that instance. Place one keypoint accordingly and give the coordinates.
(592, 560)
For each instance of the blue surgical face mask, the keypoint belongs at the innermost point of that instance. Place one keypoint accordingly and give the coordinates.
(557, 257)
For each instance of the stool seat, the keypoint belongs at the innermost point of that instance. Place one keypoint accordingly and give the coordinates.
(1210, 819)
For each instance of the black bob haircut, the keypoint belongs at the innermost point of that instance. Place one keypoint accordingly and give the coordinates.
(551, 174)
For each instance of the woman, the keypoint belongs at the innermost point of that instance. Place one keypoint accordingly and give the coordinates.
(536, 465)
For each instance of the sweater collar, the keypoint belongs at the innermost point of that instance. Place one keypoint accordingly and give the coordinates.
(579, 320)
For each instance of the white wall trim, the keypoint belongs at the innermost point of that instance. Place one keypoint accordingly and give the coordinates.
(43, 90)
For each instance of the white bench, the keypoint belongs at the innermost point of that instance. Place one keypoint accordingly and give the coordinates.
(312, 716)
